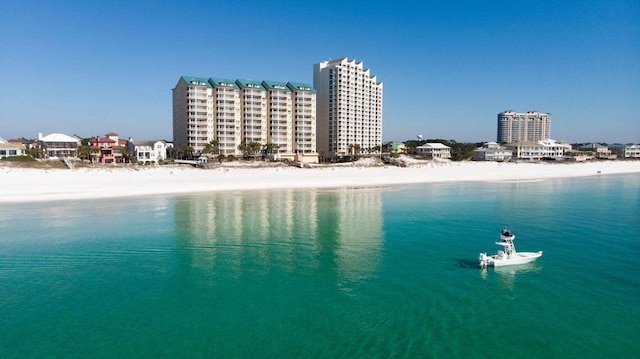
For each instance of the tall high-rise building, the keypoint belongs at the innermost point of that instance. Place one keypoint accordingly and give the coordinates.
(235, 111)
(349, 107)
(529, 126)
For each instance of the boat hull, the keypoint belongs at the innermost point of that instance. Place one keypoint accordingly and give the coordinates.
(515, 259)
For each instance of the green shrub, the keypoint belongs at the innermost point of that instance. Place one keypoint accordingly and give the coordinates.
(19, 159)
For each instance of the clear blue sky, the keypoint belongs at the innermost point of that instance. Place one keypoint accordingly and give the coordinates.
(85, 68)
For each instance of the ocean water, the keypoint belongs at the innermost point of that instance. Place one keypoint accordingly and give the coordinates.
(388, 272)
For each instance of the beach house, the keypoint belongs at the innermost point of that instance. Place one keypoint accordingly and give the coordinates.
(148, 151)
(536, 151)
(58, 145)
(8, 149)
(598, 151)
(626, 151)
(492, 151)
(107, 149)
(434, 150)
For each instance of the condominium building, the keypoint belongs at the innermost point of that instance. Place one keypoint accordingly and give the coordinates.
(304, 109)
(280, 114)
(529, 126)
(349, 107)
(193, 112)
(226, 115)
(253, 98)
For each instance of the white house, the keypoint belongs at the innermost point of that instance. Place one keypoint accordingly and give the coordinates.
(626, 151)
(58, 145)
(148, 151)
(537, 151)
(492, 151)
(8, 149)
(434, 150)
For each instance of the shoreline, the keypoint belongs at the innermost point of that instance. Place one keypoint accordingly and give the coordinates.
(20, 185)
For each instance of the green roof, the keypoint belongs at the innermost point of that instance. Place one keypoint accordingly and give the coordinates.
(251, 84)
(216, 82)
(198, 81)
(591, 146)
(298, 86)
(275, 85)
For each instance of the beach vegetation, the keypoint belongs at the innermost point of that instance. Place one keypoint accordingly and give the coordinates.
(33, 152)
(212, 147)
(249, 149)
(24, 158)
(183, 153)
(460, 151)
(355, 150)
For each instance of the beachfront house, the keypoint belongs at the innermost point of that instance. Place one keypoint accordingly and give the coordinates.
(492, 151)
(536, 151)
(395, 147)
(598, 151)
(9, 149)
(108, 149)
(148, 151)
(58, 145)
(626, 151)
(434, 151)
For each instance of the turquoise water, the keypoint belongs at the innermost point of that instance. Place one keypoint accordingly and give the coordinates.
(386, 272)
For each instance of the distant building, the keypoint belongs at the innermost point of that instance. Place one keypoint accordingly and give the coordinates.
(626, 151)
(8, 149)
(349, 110)
(58, 145)
(149, 151)
(395, 147)
(529, 126)
(434, 150)
(492, 151)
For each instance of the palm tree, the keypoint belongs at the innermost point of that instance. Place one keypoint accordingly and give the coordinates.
(254, 148)
(216, 145)
(243, 147)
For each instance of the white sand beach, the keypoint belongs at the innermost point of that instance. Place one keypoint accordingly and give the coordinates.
(30, 185)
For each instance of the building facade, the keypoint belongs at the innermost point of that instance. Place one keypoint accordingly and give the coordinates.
(233, 112)
(529, 126)
(626, 151)
(349, 107)
(304, 119)
(58, 145)
(434, 150)
(492, 151)
(226, 116)
(537, 151)
(148, 151)
(8, 149)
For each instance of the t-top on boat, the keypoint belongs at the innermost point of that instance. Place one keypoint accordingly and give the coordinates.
(508, 256)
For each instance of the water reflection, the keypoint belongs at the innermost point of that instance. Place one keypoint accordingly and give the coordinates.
(336, 233)
(507, 275)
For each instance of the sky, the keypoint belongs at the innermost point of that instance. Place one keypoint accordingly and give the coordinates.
(89, 67)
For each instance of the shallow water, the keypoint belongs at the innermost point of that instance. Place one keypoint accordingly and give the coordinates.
(382, 272)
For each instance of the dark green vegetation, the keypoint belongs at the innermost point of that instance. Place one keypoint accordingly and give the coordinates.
(460, 151)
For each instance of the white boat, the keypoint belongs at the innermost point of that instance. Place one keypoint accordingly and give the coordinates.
(508, 255)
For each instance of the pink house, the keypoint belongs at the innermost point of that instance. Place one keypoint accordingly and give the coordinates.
(106, 149)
